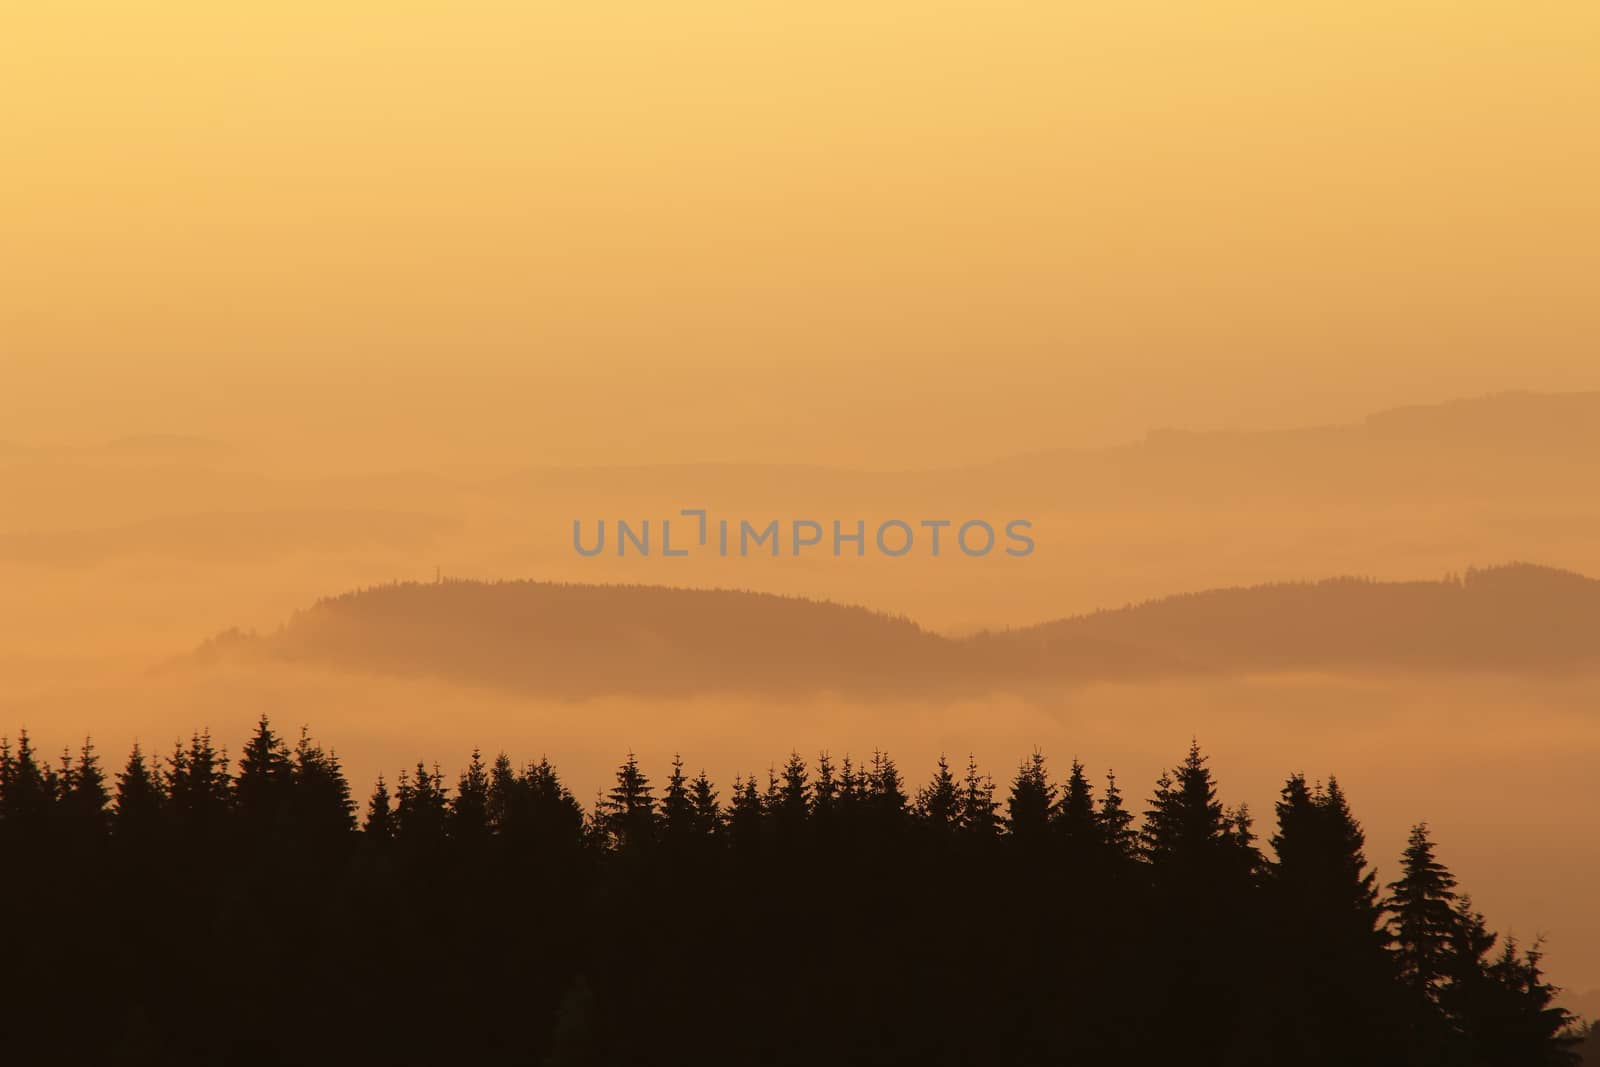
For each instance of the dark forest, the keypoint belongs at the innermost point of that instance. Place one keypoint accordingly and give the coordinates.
(190, 908)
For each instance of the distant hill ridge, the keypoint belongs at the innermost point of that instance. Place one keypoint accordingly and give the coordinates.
(578, 640)
(1515, 617)
(575, 640)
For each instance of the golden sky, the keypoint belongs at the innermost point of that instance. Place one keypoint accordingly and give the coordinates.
(869, 232)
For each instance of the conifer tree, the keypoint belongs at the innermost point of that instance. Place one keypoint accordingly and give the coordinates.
(677, 806)
(630, 807)
(1116, 824)
(1032, 802)
(84, 800)
(596, 826)
(939, 802)
(825, 790)
(980, 812)
(1499, 1011)
(1191, 840)
(422, 807)
(265, 782)
(1466, 992)
(380, 821)
(1321, 874)
(469, 810)
(547, 816)
(794, 795)
(1075, 820)
(1242, 836)
(852, 792)
(707, 813)
(321, 805)
(1201, 869)
(744, 813)
(504, 788)
(198, 786)
(770, 798)
(1421, 904)
(27, 790)
(141, 798)
(1527, 1027)
(886, 791)
(1333, 968)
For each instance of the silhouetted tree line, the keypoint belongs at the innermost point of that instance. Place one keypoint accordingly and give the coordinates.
(196, 910)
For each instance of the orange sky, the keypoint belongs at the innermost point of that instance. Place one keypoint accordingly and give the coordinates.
(866, 233)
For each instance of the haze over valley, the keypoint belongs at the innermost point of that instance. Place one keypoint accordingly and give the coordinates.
(1343, 599)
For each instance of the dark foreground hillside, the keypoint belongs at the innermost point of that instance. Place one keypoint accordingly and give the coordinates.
(189, 910)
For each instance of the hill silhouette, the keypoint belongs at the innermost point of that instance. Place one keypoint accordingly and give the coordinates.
(1509, 442)
(579, 640)
(572, 640)
(1517, 617)
(92, 535)
(1505, 445)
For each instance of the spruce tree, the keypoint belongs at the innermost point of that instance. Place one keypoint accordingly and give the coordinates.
(264, 784)
(939, 802)
(850, 800)
(1116, 824)
(630, 808)
(1321, 875)
(1206, 915)
(504, 790)
(1466, 993)
(85, 804)
(198, 787)
(1194, 844)
(1075, 821)
(321, 806)
(980, 812)
(707, 813)
(422, 807)
(677, 806)
(596, 825)
(1421, 905)
(548, 817)
(140, 800)
(824, 790)
(769, 798)
(27, 790)
(744, 813)
(380, 822)
(794, 795)
(1332, 965)
(1527, 1026)
(469, 810)
(886, 791)
(1032, 802)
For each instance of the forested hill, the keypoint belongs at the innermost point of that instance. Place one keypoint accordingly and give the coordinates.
(581, 640)
(578, 640)
(1515, 618)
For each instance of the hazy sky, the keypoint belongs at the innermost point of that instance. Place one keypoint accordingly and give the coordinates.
(873, 231)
